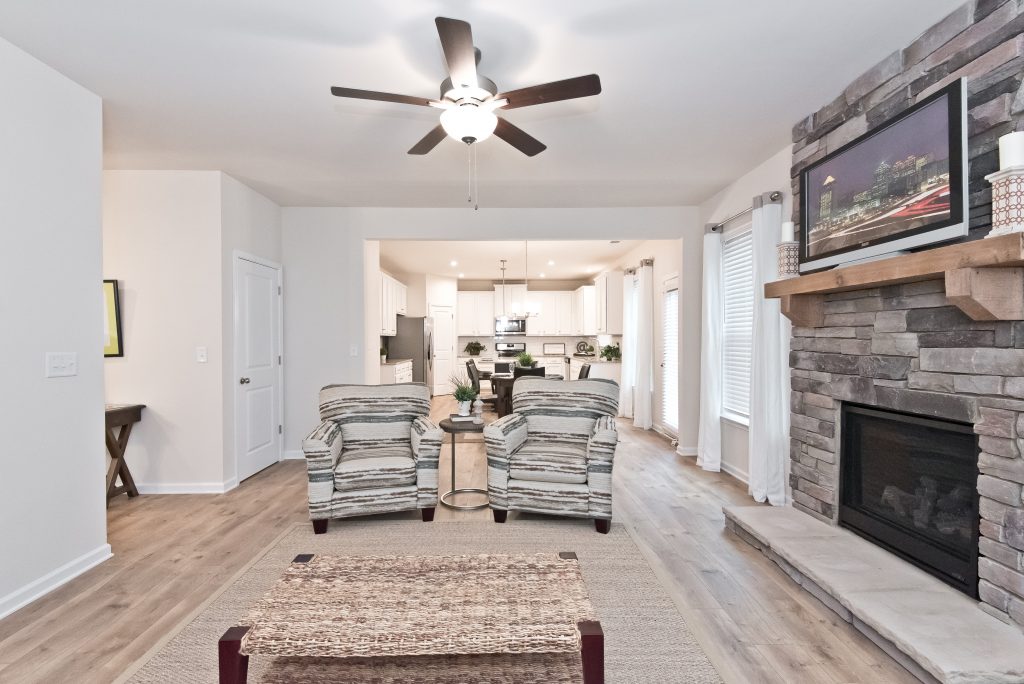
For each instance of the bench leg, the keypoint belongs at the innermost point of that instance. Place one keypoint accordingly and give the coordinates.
(602, 526)
(319, 526)
(592, 652)
(233, 666)
(499, 516)
(427, 513)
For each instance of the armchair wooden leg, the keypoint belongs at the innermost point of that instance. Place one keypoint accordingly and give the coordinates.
(499, 515)
(427, 513)
(320, 526)
(232, 665)
(602, 525)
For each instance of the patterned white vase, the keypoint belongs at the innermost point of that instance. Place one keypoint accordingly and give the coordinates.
(789, 259)
(1007, 201)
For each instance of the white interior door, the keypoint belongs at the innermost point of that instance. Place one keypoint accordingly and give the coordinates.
(257, 366)
(444, 347)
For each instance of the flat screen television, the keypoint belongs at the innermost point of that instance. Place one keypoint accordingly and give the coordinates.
(900, 186)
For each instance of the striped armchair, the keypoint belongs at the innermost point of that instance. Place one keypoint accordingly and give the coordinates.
(375, 452)
(554, 452)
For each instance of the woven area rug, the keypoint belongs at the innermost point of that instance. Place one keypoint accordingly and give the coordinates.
(646, 639)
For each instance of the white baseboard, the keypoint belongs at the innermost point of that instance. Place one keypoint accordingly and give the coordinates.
(740, 475)
(51, 580)
(293, 454)
(686, 450)
(187, 487)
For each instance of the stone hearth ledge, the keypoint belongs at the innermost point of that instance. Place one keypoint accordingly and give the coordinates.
(934, 631)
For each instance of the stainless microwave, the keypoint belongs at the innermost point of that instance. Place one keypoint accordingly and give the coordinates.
(509, 326)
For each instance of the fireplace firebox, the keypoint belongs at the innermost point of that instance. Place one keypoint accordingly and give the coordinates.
(909, 484)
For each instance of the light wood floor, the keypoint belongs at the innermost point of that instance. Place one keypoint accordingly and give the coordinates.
(173, 551)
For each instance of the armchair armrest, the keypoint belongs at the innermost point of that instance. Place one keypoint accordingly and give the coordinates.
(600, 458)
(426, 449)
(322, 449)
(502, 438)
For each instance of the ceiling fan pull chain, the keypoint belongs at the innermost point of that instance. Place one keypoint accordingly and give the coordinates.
(476, 180)
(469, 174)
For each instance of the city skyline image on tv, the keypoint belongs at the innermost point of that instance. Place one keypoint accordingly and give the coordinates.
(893, 182)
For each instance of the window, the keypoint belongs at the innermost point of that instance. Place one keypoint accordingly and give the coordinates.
(670, 355)
(738, 320)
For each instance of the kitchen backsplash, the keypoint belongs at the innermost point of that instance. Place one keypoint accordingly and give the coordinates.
(535, 345)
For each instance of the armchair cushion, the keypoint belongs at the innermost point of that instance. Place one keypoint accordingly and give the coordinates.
(370, 472)
(549, 459)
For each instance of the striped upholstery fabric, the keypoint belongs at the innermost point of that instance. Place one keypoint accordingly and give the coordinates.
(375, 451)
(554, 453)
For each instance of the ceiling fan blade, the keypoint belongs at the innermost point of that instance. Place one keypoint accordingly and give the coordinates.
(381, 97)
(457, 43)
(429, 141)
(518, 138)
(570, 88)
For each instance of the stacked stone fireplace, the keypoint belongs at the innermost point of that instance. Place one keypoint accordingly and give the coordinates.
(905, 348)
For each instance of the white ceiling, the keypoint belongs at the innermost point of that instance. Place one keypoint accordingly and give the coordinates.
(696, 92)
(574, 259)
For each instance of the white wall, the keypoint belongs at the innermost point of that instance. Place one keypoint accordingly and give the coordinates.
(773, 174)
(250, 224)
(170, 237)
(442, 291)
(323, 251)
(52, 465)
(162, 241)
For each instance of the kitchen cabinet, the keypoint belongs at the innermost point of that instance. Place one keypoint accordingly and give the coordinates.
(584, 310)
(553, 365)
(563, 313)
(509, 300)
(551, 313)
(474, 314)
(608, 287)
(393, 301)
(395, 373)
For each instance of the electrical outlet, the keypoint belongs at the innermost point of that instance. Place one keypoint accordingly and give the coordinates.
(353, 350)
(61, 364)
(201, 356)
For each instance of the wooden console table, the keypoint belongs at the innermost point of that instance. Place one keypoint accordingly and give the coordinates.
(121, 416)
(984, 278)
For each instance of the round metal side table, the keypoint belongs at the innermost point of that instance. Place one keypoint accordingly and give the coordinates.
(454, 428)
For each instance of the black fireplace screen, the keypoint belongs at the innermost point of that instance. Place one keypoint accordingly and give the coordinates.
(909, 484)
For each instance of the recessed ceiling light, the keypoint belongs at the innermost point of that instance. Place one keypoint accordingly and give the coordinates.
(551, 262)
(543, 276)
(462, 275)
(591, 269)
(453, 263)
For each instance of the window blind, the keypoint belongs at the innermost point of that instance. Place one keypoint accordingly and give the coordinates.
(738, 320)
(670, 359)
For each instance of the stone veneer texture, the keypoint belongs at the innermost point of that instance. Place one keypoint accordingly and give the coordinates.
(906, 348)
(982, 41)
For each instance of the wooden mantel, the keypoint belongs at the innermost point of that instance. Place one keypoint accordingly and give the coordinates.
(985, 278)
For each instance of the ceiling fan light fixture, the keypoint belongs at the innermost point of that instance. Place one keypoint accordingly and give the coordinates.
(468, 123)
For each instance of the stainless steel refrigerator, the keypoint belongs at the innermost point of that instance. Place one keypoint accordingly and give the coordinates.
(415, 340)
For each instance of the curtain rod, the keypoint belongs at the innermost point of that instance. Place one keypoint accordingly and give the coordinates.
(772, 197)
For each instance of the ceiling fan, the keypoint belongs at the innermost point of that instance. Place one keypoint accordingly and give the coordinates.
(469, 99)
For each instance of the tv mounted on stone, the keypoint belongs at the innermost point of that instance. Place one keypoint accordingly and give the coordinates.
(900, 186)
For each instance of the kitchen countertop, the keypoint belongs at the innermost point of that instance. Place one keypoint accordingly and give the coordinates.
(395, 362)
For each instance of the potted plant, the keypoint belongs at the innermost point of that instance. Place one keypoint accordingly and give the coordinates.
(611, 352)
(464, 394)
(526, 360)
(383, 355)
(474, 348)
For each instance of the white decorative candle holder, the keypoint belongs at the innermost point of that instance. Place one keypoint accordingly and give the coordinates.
(789, 259)
(1007, 201)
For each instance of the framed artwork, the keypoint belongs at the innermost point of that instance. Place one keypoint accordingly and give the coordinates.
(112, 342)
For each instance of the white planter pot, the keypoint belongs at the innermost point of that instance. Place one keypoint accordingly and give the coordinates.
(383, 359)
(464, 407)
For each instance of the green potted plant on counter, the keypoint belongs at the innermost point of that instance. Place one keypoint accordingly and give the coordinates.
(474, 348)
(526, 360)
(383, 355)
(611, 352)
(463, 393)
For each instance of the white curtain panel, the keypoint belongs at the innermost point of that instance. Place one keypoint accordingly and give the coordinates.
(709, 438)
(769, 372)
(643, 371)
(627, 378)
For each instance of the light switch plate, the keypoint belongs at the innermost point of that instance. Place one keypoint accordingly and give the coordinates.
(201, 355)
(61, 364)
(353, 350)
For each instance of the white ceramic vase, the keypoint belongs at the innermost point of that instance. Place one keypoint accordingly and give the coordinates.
(465, 407)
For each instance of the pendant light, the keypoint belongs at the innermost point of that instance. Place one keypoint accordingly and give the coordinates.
(503, 318)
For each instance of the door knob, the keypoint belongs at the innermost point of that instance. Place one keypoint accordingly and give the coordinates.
(243, 381)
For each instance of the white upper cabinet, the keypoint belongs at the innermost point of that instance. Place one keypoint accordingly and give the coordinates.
(609, 303)
(584, 311)
(509, 299)
(393, 300)
(475, 314)
(563, 313)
